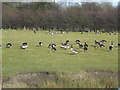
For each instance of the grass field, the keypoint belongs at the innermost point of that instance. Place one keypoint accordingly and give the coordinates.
(41, 59)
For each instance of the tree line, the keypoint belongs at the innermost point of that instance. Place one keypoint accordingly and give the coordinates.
(49, 15)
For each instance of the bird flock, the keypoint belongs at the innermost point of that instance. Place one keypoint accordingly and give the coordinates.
(66, 45)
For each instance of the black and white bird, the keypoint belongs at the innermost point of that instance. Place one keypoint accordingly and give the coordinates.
(103, 41)
(65, 46)
(97, 43)
(85, 48)
(51, 45)
(0, 46)
(8, 45)
(101, 45)
(80, 45)
(77, 41)
(40, 43)
(85, 45)
(72, 50)
(111, 47)
(53, 48)
(24, 45)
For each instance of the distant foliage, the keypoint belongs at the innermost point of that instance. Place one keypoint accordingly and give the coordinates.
(46, 15)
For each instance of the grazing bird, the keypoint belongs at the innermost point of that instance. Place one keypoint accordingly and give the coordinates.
(80, 45)
(72, 50)
(110, 47)
(103, 41)
(51, 45)
(8, 45)
(65, 46)
(77, 41)
(40, 43)
(101, 45)
(97, 43)
(24, 45)
(85, 45)
(67, 41)
(85, 48)
(0, 46)
(53, 48)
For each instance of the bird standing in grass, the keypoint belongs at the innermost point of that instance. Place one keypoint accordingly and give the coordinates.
(52, 45)
(40, 43)
(65, 46)
(24, 45)
(111, 47)
(103, 41)
(85, 45)
(77, 41)
(8, 45)
(72, 50)
(80, 45)
(101, 45)
(53, 49)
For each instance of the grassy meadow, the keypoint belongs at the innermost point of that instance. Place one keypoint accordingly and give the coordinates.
(41, 59)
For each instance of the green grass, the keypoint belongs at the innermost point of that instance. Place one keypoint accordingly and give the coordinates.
(38, 59)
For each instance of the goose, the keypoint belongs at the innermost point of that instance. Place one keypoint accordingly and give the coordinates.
(8, 45)
(51, 45)
(72, 50)
(104, 41)
(85, 48)
(65, 45)
(97, 43)
(85, 45)
(77, 41)
(110, 47)
(101, 45)
(40, 43)
(25, 44)
(23, 47)
(80, 45)
(53, 48)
